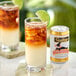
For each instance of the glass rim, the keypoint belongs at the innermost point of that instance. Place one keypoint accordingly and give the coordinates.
(26, 21)
(7, 2)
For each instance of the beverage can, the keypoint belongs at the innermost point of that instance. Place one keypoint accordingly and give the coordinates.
(59, 44)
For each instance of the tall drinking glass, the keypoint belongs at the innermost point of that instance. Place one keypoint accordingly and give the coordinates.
(9, 26)
(35, 41)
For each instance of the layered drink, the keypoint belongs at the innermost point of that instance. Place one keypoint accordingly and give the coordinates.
(0, 38)
(9, 26)
(35, 39)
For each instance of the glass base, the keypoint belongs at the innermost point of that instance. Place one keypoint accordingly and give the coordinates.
(5, 48)
(34, 68)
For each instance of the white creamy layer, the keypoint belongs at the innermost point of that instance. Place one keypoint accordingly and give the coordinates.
(0, 37)
(10, 37)
(36, 56)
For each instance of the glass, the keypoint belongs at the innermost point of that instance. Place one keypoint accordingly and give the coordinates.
(9, 26)
(35, 38)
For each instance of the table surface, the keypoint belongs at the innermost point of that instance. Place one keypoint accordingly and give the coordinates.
(9, 66)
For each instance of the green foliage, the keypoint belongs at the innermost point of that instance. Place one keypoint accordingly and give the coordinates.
(5, 0)
(67, 17)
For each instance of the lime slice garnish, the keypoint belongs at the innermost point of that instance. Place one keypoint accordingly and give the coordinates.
(43, 16)
(18, 2)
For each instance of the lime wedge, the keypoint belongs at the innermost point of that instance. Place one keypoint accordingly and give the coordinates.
(43, 16)
(18, 2)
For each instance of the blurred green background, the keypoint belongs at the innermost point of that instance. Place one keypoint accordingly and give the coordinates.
(62, 12)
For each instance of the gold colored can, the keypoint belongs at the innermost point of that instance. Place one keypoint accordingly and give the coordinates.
(59, 44)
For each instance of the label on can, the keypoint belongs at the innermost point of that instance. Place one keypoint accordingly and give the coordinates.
(59, 48)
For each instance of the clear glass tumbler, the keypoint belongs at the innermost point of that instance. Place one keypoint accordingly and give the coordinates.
(9, 26)
(35, 41)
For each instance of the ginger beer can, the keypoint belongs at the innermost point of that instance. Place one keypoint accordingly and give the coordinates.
(59, 44)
